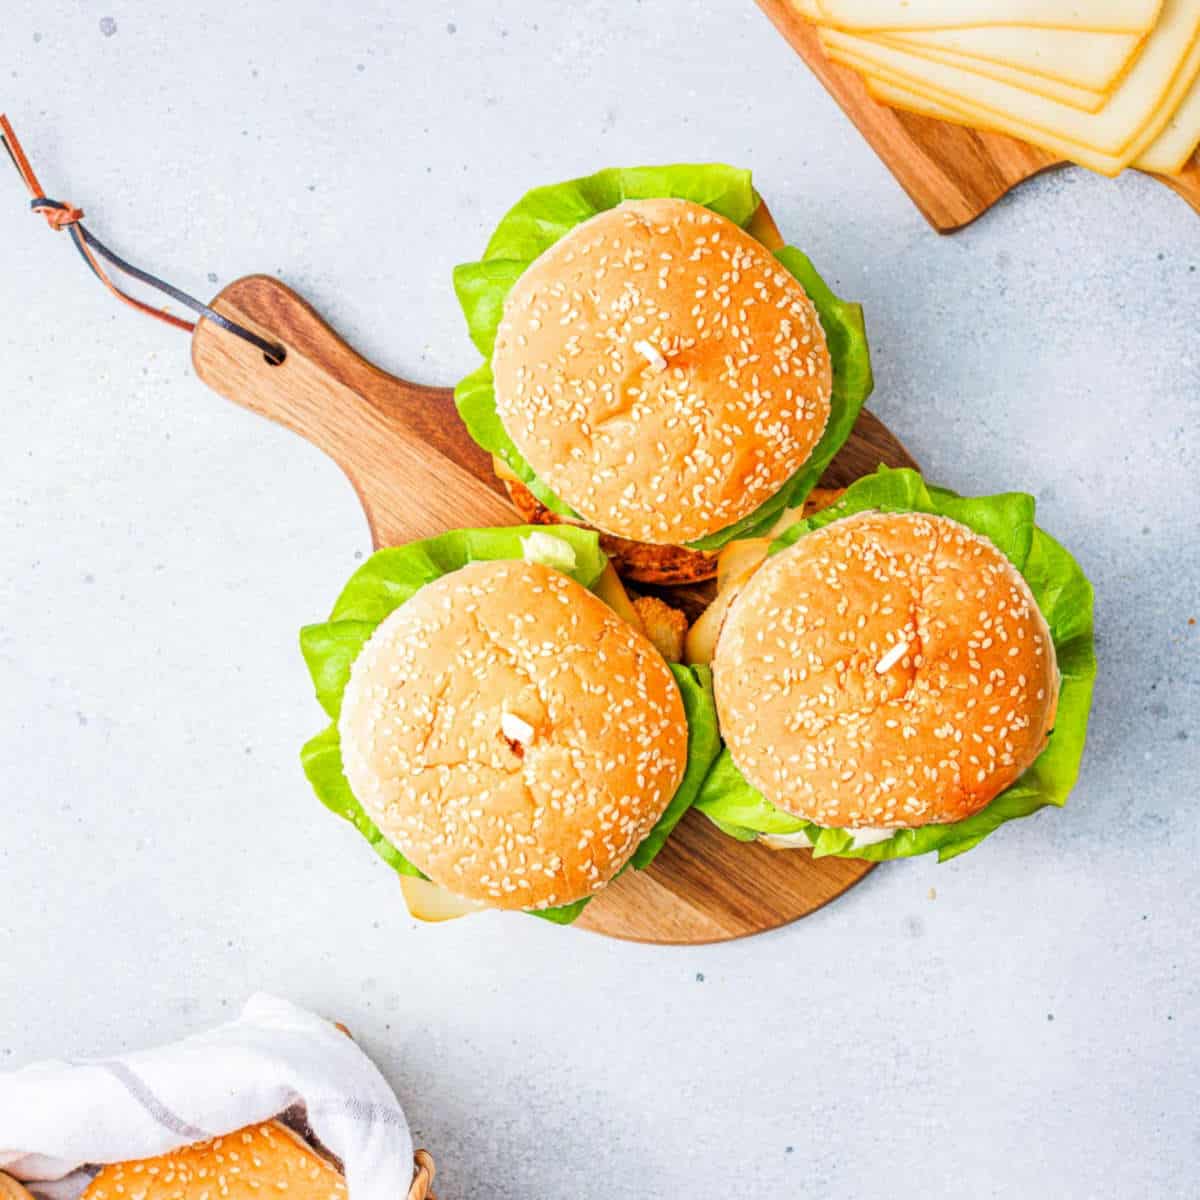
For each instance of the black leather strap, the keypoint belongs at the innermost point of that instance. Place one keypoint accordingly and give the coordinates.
(273, 352)
(66, 216)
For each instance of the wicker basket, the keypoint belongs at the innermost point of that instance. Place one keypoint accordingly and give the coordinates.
(422, 1184)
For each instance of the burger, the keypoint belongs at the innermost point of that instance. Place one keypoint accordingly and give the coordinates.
(282, 1156)
(504, 732)
(267, 1158)
(903, 671)
(659, 366)
(276, 1101)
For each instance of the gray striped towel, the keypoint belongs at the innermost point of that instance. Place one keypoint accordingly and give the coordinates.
(60, 1120)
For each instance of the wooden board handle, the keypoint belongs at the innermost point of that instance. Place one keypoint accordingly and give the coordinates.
(378, 428)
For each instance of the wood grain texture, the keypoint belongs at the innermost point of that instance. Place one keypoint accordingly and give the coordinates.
(413, 464)
(1187, 184)
(418, 473)
(952, 174)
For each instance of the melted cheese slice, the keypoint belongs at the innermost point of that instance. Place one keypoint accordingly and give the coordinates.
(1136, 112)
(1077, 56)
(1113, 16)
(1086, 99)
(428, 901)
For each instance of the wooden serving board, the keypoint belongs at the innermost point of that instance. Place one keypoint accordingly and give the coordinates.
(418, 473)
(952, 174)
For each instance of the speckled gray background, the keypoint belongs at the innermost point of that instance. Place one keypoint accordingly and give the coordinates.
(1030, 1032)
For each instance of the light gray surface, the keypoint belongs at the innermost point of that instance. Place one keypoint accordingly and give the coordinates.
(1030, 1032)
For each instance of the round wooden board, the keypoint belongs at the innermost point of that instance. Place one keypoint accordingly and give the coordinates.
(418, 473)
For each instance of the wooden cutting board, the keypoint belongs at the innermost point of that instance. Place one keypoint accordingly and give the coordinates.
(418, 473)
(952, 174)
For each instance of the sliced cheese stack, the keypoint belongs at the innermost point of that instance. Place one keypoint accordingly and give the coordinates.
(1105, 83)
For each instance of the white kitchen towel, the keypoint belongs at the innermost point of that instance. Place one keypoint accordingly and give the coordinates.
(59, 1119)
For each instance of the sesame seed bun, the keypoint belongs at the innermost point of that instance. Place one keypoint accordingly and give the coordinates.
(257, 1161)
(512, 736)
(10, 1189)
(888, 670)
(661, 372)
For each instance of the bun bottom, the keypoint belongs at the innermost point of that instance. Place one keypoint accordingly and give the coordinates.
(638, 561)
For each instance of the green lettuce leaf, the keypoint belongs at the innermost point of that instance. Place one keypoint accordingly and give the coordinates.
(475, 398)
(547, 213)
(321, 757)
(704, 744)
(390, 577)
(1064, 596)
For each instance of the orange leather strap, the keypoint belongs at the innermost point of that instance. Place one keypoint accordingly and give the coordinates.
(67, 216)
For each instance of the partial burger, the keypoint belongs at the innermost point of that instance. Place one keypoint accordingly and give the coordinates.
(278, 1157)
(905, 671)
(265, 1159)
(659, 366)
(276, 1101)
(505, 732)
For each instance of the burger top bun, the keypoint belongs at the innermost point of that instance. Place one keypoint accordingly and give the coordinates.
(887, 670)
(512, 736)
(250, 1164)
(661, 371)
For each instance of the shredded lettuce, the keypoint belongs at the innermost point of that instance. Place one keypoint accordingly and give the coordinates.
(547, 213)
(390, 577)
(1064, 596)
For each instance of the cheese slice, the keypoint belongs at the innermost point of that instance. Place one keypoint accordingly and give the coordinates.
(893, 88)
(739, 558)
(1135, 104)
(1078, 56)
(1114, 16)
(895, 96)
(899, 95)
(1168, 154)
(428, 901)
(786, 841)
(1085, 99)
(1171, 151)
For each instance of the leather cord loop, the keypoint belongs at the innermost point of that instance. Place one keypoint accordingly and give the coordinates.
(60, 216)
